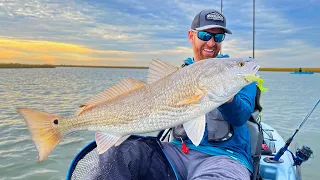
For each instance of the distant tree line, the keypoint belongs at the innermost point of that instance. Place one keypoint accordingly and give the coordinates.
(17, 65)
(291, 69)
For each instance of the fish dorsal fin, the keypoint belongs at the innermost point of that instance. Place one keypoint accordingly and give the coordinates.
(159, 69)
(123, 87)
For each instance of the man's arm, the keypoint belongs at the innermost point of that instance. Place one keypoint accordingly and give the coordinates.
(238, 111)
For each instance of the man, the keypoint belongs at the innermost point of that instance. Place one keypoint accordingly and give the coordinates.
(215, 158)
(224, 152)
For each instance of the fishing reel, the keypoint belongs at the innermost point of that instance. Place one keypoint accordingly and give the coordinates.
(302, 155)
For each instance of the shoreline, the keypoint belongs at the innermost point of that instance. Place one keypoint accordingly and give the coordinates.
(87, 66)
(19, 66)
(293, 69)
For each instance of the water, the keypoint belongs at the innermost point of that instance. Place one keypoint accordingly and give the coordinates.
(61, 90)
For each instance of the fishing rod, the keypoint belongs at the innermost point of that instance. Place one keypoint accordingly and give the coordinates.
(305, 152)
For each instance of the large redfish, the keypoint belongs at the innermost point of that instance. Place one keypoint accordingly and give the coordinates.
(170, 97)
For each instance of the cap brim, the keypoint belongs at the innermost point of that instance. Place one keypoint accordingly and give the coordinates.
(213, 26)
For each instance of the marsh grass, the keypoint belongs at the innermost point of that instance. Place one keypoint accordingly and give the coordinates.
(17, 65)
(290, 69)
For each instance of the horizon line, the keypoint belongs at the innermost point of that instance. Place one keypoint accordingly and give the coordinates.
(18, 65)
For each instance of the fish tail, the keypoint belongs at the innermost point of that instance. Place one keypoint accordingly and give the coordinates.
(44, 130)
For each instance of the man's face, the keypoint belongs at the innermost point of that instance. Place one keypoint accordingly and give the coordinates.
(204, 49)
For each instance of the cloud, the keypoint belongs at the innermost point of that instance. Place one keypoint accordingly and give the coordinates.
(134, 32)
(8, 53)
(59, 10)
(89, 23)
(291, 56)
(45, 52)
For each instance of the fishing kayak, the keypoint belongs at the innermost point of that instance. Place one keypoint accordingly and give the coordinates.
(269, 169)
(308, 72)
(282, 169)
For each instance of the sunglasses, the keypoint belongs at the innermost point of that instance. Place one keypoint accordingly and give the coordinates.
(206, 36)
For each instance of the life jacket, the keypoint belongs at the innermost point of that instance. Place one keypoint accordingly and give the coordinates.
(218, 128)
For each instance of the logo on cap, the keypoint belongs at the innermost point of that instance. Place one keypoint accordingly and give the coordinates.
(214, 16)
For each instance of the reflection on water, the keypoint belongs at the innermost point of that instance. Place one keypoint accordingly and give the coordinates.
(61, 90)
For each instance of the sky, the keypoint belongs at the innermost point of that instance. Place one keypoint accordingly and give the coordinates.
(133, 32)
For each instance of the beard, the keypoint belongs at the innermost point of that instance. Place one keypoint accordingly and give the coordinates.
(199, 55)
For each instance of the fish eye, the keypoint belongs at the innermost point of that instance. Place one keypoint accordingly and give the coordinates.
(241, 64)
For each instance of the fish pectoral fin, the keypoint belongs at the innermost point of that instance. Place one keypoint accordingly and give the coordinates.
(195, 129)
(106, 141)
(122, 139)
(158, 70)
(195, 98)
(123, 87)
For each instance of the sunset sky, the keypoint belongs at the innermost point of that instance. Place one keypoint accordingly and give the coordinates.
(133, 32)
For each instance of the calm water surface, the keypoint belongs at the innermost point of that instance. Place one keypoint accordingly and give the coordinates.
(61, 90)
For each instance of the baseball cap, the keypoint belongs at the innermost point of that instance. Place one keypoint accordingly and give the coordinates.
(207, 19)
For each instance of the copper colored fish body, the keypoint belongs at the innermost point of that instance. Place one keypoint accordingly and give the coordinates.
(170, 97)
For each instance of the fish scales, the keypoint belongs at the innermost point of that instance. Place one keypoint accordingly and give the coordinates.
(171, 97)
